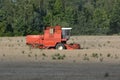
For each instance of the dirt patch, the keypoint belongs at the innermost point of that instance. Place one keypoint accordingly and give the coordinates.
(97, 60)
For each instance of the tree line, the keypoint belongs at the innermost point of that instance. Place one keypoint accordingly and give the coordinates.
(86, 17)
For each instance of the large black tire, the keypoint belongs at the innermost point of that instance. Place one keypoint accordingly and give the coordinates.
(60, 46)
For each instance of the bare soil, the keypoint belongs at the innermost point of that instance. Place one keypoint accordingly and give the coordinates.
(98, 59)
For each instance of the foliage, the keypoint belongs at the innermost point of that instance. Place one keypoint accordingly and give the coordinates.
(58, 56)
(86, 17)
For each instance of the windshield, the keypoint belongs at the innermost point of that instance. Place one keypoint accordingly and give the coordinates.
(66, 33)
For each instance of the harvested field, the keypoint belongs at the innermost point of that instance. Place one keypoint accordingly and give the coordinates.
(99, 59)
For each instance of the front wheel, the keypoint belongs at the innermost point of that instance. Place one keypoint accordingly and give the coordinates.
(60, 46)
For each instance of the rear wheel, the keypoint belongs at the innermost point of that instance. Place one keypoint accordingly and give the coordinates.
(60, 46)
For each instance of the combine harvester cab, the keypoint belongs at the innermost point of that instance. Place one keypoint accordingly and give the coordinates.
(53, 38)
(66, 35)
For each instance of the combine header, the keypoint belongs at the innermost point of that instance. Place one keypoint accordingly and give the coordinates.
(53, 38)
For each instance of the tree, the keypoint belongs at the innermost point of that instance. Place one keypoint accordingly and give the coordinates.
(86, 17)
(6, 14)
(115, 19)
(101, 21)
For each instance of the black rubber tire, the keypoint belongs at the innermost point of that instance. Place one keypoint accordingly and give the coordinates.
(60, 46)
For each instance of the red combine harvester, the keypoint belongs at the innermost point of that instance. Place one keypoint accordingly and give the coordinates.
(53, 38)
